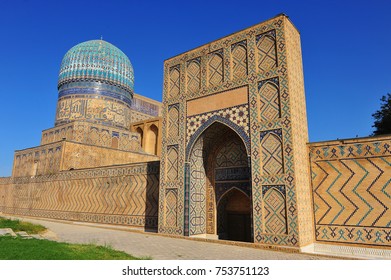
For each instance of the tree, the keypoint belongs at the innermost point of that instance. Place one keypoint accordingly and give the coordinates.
(382, 117)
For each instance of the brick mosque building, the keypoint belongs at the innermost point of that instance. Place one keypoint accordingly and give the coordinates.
(224, 156)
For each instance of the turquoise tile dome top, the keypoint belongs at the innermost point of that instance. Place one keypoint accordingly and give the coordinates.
(97, 61)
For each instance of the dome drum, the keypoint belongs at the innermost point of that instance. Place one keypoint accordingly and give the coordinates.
(95, 88)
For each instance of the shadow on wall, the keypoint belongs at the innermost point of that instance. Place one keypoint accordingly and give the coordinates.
(152, 197)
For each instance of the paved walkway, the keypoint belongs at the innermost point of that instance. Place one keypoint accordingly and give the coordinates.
(159, 247)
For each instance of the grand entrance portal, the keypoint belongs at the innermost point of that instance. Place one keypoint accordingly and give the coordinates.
(220, 187)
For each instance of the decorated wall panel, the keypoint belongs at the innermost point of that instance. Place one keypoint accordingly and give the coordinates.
(173, 122)
(101, 110)
(175, 85)
(239, 60)
(145, 106)
(197, 205)
(351, 191)
(122, 195)
(269, 82)
(171, 209)
(275, 209)
(41, 160)
(215, 68)
(93, 134)
(266, 51)
(272, 155)
(172, 163)
(193, 75)
(270, 108)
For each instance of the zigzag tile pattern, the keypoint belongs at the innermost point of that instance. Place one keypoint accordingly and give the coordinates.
(126, 195)
(352, 192)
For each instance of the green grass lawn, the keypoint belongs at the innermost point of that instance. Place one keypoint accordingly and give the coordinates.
(12, 248)
(17, 225)
(17, 248)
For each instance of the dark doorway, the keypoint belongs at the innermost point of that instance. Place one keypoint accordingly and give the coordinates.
(234, 216)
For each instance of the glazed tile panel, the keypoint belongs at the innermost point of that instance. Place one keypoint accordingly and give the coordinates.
(123, 195)
(352, 191)
(255, 59)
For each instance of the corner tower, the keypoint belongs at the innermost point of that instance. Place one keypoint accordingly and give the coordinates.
(95, 84)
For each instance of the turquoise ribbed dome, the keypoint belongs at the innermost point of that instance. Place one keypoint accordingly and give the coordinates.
(97, 61)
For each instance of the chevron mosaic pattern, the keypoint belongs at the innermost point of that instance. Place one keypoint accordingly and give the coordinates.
(352, 192)
(126, 195)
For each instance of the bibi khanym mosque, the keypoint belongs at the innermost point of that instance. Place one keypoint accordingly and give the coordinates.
(224, 156)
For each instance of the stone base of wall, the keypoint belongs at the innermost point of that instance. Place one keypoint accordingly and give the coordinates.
(347, 251)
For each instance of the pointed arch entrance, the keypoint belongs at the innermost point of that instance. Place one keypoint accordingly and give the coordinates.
(218, 190)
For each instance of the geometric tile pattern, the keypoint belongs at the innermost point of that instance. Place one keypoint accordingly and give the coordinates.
(174, 80)
(269, 100)
(239, 60)
(268, 41)
(352, 191)
(272, 155)
(216, 75)
(125, 195)
(193, 75)
(237, 115)
(233, 153)
(197, 189)
(266, 46)
(218, 162)
(171, 205)
(173, 121)
(172, 163)
(275, 210)
(231, 172)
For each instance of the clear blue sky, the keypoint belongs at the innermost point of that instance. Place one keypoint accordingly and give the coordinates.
(346, 54)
